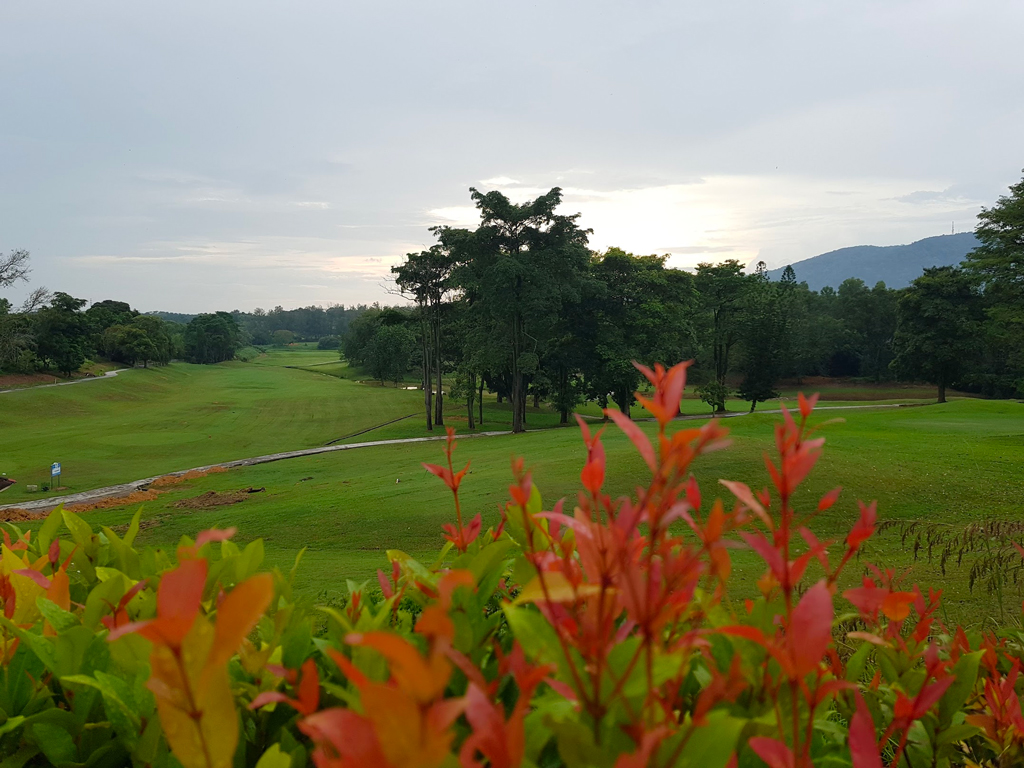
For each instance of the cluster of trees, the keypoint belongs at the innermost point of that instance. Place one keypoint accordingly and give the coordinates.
(520, 305)
(57, 332)
(279, 326)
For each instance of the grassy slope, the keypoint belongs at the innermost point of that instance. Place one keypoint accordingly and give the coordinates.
(953, 463)
(150, 421)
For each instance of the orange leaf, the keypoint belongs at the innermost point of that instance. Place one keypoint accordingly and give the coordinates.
(238, 614)
(423, 679)
(636, 436)
(896, 605)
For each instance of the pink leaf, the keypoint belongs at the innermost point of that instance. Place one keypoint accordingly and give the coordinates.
(633, 432)
(773, 752)
(863, 746)
(214, 535)
(36, 576)
(810, 629)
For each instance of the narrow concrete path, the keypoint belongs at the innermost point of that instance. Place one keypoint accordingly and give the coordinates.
(736, 414)
(42, 506)
(107, 375)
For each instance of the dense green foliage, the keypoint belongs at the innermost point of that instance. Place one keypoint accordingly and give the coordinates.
(56, 332)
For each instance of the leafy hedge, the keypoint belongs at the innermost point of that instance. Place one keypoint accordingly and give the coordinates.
(603, 635)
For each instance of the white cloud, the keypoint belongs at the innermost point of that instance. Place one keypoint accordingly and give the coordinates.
(499, 181)
(781, 218)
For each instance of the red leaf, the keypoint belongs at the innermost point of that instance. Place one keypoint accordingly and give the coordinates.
(742, 492)
(773, 752)
(829, 499)
(810, 630)
(806, 406)
(693, 493)
(636, 436)
(930, 695)
(385, 585)
(865, 526)
(863, 746)
(443, 472)
(768, 553)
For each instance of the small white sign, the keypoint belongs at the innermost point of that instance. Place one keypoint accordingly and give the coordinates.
(55, 468)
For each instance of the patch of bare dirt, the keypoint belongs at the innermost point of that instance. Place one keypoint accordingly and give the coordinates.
(16, 516)
(136, 497)
(194, 474)
(144, 525)
(212, 499)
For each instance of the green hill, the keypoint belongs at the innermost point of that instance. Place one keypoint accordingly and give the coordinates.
(895, 265)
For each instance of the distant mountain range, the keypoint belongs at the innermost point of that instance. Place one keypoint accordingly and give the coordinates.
(896, 265)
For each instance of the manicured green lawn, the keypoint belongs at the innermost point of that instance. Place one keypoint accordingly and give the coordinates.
(156, 420)
(949, 464)
(151, 421)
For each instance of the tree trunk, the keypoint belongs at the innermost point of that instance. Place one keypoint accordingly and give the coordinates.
(481, 406)
(753, 405)
(536, 399)
(427, 387)
(439, 405)
(942, 391)
(470, 393)
(517, 395)
(563, 396)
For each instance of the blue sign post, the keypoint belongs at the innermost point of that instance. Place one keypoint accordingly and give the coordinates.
(55, 474)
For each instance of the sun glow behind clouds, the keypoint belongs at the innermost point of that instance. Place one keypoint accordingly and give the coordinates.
(780, 219)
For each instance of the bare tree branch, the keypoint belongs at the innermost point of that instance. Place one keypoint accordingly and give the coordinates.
(36, 300)
(13, 267)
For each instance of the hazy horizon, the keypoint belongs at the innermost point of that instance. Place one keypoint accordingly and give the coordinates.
(225, 155)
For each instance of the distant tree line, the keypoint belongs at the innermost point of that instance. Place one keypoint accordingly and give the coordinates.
(263, 327)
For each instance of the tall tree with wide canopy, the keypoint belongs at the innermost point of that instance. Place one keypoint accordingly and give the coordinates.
(639, 311)
(62, 333)
(521, 265)
(720, 288)
(764, 331)
(426, 277)
(998, 264)
(938, 327)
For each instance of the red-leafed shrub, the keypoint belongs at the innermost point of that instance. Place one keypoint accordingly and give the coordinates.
(599, 632)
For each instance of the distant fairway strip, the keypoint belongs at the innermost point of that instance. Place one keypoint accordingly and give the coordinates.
(43, 506)
(376, 426)
(106, 375)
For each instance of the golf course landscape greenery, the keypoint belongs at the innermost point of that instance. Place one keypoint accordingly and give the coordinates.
(628, 632)
(253, 557)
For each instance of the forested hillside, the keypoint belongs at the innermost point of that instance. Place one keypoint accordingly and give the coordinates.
(894, 265)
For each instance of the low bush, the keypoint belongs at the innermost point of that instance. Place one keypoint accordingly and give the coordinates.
(248, 354)
(601, 635)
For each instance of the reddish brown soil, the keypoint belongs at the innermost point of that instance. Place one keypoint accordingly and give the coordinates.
(166, 480)
(212, 499)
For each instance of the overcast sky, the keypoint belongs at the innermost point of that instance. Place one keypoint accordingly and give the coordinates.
(200, 155)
